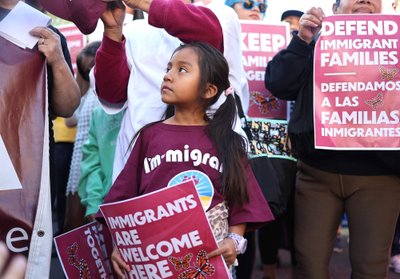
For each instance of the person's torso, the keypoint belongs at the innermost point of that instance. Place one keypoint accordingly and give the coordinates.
(173, 154)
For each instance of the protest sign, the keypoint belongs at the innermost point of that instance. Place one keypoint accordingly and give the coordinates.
(260, 42)
(25, 213)
(356, 83)
(81, 253)
(165, 234)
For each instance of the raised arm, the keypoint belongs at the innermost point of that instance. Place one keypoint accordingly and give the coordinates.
(111, 68)
(187, 22)
(290, 69)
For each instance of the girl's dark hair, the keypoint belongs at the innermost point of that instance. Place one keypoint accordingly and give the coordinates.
(231, 147)
(88, 51)
(337, 3)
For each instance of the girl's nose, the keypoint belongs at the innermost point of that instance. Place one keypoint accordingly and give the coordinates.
(167, 76)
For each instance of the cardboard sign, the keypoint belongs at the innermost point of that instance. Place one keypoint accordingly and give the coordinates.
(80, 253)
(260, 42)
(356, 83)
(165, 234)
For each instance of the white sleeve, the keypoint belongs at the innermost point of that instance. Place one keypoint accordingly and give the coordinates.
(232, 30)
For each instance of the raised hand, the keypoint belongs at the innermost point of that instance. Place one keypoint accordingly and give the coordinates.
(310, 24)
(113, 19)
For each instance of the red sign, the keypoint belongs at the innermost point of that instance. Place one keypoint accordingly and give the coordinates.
(260, 42)
(80, 253)
(165, 234)
(356, 83)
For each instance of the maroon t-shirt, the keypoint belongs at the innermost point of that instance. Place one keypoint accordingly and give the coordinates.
(164, 155)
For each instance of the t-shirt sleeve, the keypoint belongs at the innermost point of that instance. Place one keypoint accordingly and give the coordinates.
(256, 212)
(111, 71)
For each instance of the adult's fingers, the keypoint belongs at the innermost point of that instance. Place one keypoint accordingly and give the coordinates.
(42, 32)
(311, 19)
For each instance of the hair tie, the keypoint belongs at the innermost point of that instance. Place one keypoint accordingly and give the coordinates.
(229, 91)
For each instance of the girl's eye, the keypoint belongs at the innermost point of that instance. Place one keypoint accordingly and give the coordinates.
(182, 69)
(167, 69)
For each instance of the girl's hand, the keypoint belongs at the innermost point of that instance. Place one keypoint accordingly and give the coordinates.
(118, 263)
(227, 249)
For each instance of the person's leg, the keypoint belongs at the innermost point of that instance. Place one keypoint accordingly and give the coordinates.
(268, 245)
(372, 209)
(63, 154)
(318, 211)
(395, 253)
(396, 240)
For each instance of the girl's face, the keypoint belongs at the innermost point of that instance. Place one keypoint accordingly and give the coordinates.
(181, 83)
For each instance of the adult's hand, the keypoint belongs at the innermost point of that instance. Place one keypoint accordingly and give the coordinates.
(310, 24)
(49, 44)
(65, 91)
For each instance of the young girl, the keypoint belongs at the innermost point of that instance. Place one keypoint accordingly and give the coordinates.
(191, 144)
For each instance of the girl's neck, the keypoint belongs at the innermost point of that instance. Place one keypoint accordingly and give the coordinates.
(187, 119)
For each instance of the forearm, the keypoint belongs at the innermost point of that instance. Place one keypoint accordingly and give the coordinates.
(238, 229)
(112, 71)
(187, 22)
(65, 92)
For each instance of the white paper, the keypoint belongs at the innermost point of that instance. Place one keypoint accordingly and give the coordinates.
(8, 176)
(16, 25)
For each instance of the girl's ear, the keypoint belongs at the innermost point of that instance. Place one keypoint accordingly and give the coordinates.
(211, 91)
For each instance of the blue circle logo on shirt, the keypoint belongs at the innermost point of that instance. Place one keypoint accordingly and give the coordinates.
(203, 184)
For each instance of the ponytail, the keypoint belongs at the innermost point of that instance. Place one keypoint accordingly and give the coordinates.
(231, 149)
